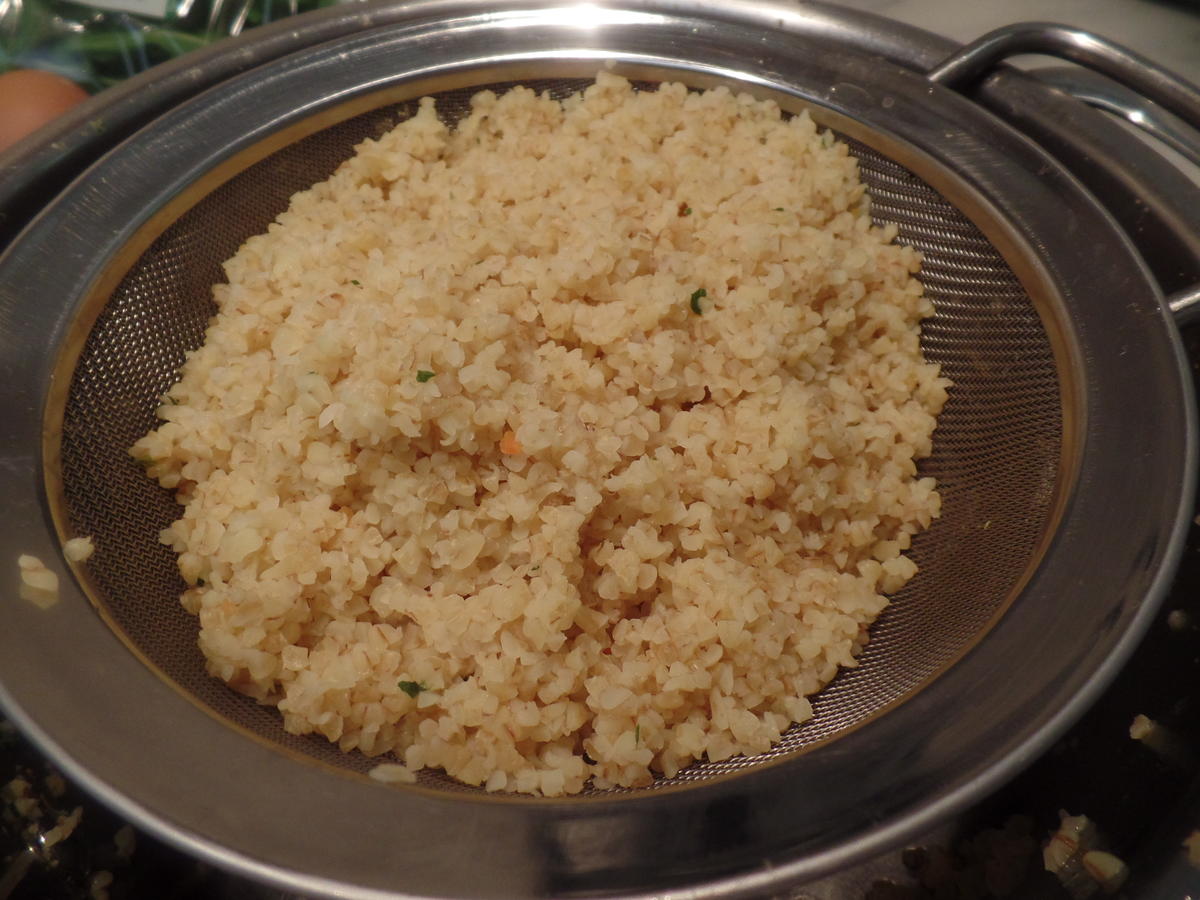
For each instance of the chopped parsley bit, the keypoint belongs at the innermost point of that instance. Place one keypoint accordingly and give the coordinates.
(696, 295)
(779, 209)
(356, 282)
(200, 582)
(535, 568)
(687, 211)
(637, 734)
(145, 461)
(423, 375)
(412, 688)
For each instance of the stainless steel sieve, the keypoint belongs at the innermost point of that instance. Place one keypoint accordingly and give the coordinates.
(1065, 459)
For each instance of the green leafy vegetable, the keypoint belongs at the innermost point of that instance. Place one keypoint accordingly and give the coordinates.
(412, 688)
(637, 734)
(423, 375)
(696, 295)
(356, 282)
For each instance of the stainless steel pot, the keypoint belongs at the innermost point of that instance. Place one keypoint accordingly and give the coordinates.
(1065, 457)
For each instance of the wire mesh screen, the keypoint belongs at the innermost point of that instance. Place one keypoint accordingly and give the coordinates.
(996, 449)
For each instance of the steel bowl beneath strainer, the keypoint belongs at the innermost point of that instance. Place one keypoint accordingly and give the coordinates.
(1061, 521)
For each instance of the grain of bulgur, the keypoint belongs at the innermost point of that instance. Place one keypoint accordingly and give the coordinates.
(615, 533)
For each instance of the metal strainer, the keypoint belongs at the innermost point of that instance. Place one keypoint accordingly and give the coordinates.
(1063, 458)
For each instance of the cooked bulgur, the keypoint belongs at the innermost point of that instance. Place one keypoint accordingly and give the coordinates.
(575, 442)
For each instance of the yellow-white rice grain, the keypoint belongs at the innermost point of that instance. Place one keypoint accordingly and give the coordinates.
(577, 442)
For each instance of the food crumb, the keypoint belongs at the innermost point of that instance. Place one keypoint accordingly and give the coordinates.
(1165, 743)
(1107, 870)
(99, 884)
(1074, 833)
(63, 830)
(19, 797)
(79, 549)
(393, 773)
(1074, 855)
(1141, 727)
(39, 585)
(1192, 844)
(1177, 620)
(56, 784)
(125, 841)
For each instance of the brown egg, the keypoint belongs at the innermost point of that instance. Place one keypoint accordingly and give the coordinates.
(30, 98)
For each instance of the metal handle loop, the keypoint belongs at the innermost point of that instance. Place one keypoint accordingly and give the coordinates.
(1147, 79)
(1103, 93)
(1131, 69)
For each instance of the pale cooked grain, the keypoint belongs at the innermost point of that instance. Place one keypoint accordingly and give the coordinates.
(710, 493)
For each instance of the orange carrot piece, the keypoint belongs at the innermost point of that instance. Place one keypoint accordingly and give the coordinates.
(509, 445)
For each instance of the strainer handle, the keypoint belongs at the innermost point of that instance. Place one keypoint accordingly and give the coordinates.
(1169, 96)
(1103, 93)
(1131, 69)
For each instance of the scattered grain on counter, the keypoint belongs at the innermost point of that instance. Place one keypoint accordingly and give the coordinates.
(1192, 845)
(99, 884)
(1106, 869)
(1075, 854)
(577, 443)
(1162, 741)
(125, 841)
(1141, 727)
(39, 585)
(63, 829)
(55, 784)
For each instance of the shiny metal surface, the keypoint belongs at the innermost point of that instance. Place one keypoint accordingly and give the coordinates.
(1153, 202)
(1150, 98)
(35, 170)
(165, 762)
(1129, 68)
(1185, 305)
(1104, 93)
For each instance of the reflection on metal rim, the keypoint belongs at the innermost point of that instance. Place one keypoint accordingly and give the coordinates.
(1038, 668)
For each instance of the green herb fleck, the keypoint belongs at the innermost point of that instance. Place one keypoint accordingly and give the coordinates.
(145, 461)
(356, 282)
(687, 210)
(696, 295)
(200, 582)
(423, 375)
(779, 209)
(637, 734)
(412, 688)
